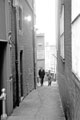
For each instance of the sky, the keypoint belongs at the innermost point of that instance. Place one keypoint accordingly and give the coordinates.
(45, 19)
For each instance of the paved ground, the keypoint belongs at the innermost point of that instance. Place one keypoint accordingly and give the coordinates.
(41, 104)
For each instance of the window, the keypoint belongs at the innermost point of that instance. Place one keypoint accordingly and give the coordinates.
(62, 46)
(62, 32)
(20, 18)
(62, 20)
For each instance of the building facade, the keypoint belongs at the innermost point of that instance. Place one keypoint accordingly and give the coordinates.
(50, 58)
(17, 52)
(40, 47)
(75, 37)
(76, 55)
(5, 60)
(68, 57)
(64, 58)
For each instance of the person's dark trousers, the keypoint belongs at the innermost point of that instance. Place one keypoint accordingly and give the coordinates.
(42, 81)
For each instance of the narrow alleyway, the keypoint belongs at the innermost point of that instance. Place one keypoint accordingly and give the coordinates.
(41, 104)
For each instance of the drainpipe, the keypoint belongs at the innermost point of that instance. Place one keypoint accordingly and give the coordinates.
(12, 6)
(16, 59)
(34, 62)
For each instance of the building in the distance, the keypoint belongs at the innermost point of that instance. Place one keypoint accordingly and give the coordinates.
(50, 58)
(40, 46)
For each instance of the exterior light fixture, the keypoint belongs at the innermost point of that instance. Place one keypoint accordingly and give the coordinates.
(28, 18)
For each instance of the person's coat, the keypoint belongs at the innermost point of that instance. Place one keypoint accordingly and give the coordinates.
(41, 73)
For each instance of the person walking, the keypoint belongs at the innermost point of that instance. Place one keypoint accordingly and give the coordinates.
(41, 75)
(49, 78)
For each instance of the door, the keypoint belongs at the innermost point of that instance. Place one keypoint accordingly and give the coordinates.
(21, 72)
(1, 71)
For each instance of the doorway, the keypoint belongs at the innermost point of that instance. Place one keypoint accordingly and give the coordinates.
(2, 68)
(21, 73)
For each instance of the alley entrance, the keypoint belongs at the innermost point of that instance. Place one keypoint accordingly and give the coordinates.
(2, 68)
(5, 75)
(3, 47)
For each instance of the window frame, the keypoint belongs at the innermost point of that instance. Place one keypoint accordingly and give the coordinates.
(62, 51)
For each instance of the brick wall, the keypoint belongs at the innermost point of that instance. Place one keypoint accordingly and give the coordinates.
(26, 41)
(25, 44)
(2, 21)
(64, 74)
(69, 84)
(76, 97)
(12, 16)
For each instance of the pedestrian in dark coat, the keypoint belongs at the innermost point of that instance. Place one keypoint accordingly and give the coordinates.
(41, 75)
